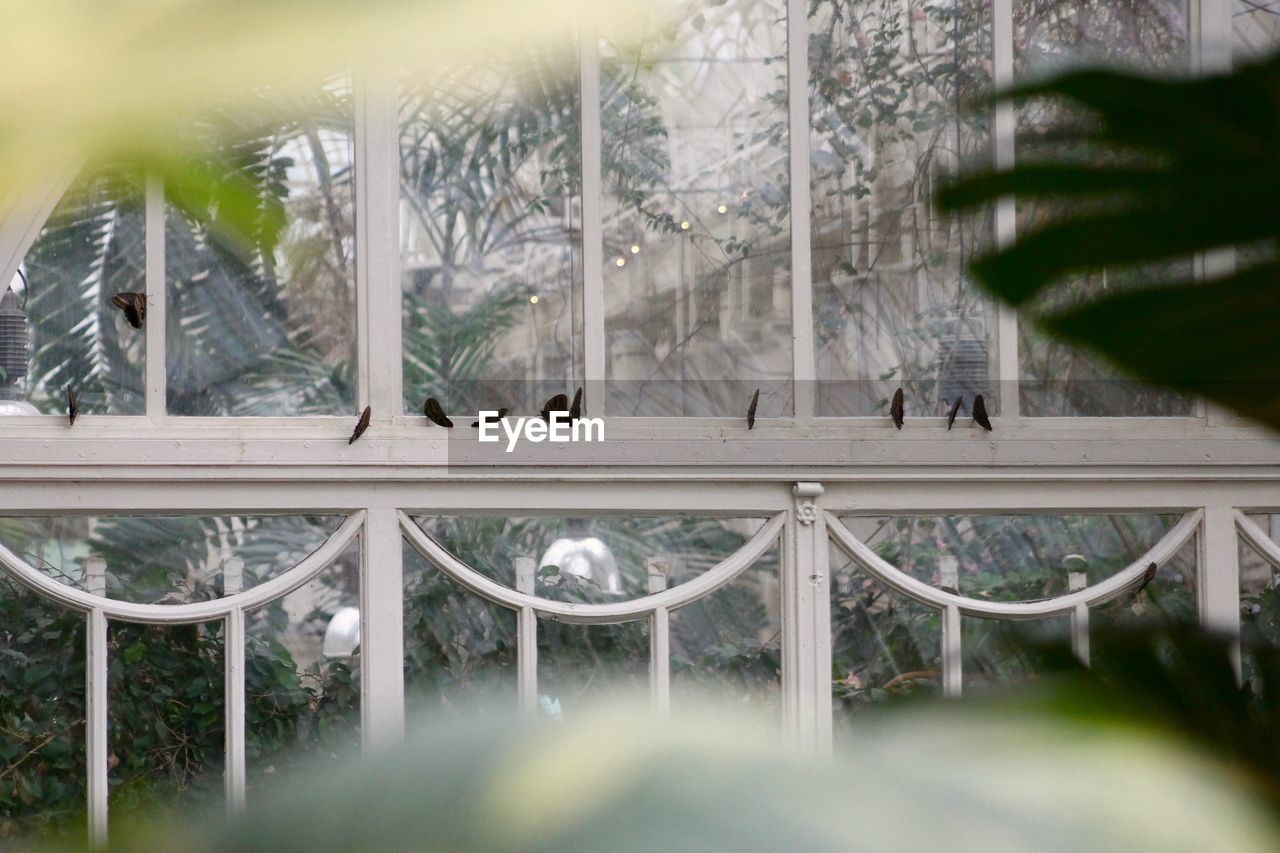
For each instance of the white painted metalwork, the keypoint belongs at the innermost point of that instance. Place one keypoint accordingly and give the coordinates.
(1127, 578)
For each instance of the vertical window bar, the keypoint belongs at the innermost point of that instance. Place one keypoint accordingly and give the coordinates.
(951, 659)
(593, 319)
(381, 629)
(233, 651)
(804, 370)
(806, 623)
(657, 571)
(1219, 586)
(1077, 581)
(1005, 124)
(527, 641)
(157, 296)
(377, 231)
(96, 725)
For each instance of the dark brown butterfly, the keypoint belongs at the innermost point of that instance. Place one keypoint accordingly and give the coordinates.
(980, 413)
(896, 410)
(73, 409)
(1147, 577)
(435, 412)
(558, 403)
(493, 419)
(575, 408)
(955, 410)
(751, 410)
(134, 306)
(361, 425)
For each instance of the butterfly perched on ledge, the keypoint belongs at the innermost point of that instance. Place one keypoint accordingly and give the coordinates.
(362, 424)
(134, 306)
(493, 419)
(435, 413)
(751, 410)
(897, 409)
(558, 403)
(73, 407)
(575, 408)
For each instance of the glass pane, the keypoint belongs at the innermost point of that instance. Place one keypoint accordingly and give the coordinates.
(579, 664)
(165, 559)
(697, 272)
(1256, 27)
(1011, 557)
(999, 654)
(1169, 599)
(727, 647)
(1051, 35)
(265, 324)
(302, 674)
(165, 721)
(42, 714)
(883, 645)
(91, 248)
(891, 107)
(490, 244)
(592, 559)
(1259, 604)
(459, 650)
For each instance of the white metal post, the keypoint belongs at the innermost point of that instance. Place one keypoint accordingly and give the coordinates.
(382, 630)
(1077, 581)
(593, 305)
(96, 746)
(1004, 126)
(804, 364)
(806, 623)
(1219, 586)
(157, 293)
(527, 639)
(657, 570)
(233, 641)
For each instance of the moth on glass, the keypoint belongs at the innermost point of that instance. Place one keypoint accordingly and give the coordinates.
(134, 306)
(1147, 577)
(558, 403)
(896, 409)
(751, 410)
(361, 425)
(502, 413)
(435, 413)
(980, 413)
(73, 408)
(575, 408)
(955, 410)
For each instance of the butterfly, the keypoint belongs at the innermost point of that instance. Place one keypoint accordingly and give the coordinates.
(433, 410)
(980, 413)
(751, 410)
(73, 409)
(361, 425)
(896, 408)
(502, 413)
(134, 306)
(1147, 576)
(575, 408)
(558, 403)
(955, 409)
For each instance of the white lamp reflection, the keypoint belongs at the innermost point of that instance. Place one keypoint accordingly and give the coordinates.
(586, 557)
(342, 637)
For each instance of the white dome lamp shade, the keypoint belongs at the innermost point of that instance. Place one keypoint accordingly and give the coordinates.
(342, 637)
(586, 557)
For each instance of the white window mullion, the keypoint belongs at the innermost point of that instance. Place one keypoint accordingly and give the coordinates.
(1004, 128)
(96, 745)
(377, 157)
(804, 364)
(1219, 586)
(593, 309)
(157, 298)
(381, 630)
(806, 623)
(234, 703)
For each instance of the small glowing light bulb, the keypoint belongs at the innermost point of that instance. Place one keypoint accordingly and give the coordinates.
(746, 193)
(534, 299)
(724, 208)
(635, 250)
(622, 262)
(684, 226)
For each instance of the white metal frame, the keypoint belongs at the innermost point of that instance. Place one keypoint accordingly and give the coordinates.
(801, 473)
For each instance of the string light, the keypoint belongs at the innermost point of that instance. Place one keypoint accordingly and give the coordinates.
(684, 226)
(724, 208)
(534, 299)
(622, 262)
(635, 249)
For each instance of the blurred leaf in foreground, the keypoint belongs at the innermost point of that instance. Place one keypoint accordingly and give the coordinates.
(1170, 168)
(941, 777)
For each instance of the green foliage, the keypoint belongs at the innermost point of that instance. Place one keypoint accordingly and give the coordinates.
(1182, 166)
